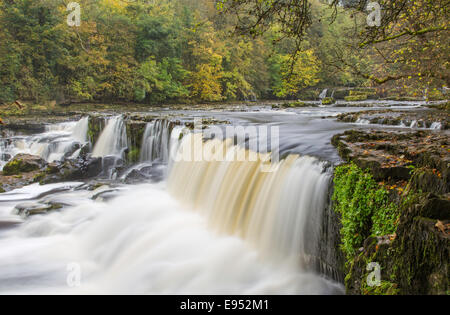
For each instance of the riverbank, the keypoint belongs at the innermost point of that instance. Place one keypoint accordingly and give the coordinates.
(394, 205)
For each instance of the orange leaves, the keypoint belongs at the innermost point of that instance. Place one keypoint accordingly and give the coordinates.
(444, 228)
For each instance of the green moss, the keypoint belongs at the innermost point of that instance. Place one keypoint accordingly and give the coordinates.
(12, 168)
(294, 104)
(2, 190)
(38, 177)
(364, 207)
(328, 101)
(18, 166)
(134, 155)
(356, 98)
(385, 288)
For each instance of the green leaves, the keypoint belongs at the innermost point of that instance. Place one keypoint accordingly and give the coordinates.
(159, 81)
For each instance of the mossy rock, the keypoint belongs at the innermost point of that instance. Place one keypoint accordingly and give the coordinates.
(2, 190)
(294, 104)
(356, 98)
(134, 155)
(23, 163)
(309, 95)
(328, 101)
(341, 94)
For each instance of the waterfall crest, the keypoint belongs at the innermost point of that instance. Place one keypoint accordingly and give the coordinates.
(59, 141)
(278, 212)
(113, 139)
(155, 143)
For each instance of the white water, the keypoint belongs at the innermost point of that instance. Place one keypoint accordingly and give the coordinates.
(361, 121)
(57, 142)
(142, 242)
(112, 140)
(225, 228)
(323, 94)
(155, 143)
(278, 212)
(436, 126)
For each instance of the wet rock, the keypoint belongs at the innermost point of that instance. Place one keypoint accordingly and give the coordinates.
(93, 167)
(27, 209)
(328, 101)
(136, 176)
(395, 154)
(70, 170)
(417, 119)
(23, 163)
(414, 168)
(104, 193)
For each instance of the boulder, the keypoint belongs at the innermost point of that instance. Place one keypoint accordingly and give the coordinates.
(27, 209)
(23, 163)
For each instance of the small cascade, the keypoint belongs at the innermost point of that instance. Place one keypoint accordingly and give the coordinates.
(155, 142)
(5, 147)
(113, 139)
(436, 126)
(361, 121)
(81, 129)
(63, 140)
(323, 94)
(278, 212)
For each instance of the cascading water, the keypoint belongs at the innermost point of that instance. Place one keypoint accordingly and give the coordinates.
(57, 142)
(155, 142)
(148, 240)
(279, 212)
(436, 126)
(81, 129)
(113, 139)
(323, 94)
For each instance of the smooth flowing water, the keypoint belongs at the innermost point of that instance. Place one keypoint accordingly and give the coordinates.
(217, 225)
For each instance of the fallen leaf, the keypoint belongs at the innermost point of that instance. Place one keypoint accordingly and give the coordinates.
(440, 226)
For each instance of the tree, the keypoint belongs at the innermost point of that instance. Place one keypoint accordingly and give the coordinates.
(303, 73)
(414, 32)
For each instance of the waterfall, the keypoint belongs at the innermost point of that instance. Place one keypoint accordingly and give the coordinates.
(112, 140)
(278, 212)
(215, 227)
(414, 124)
(436, 126)
(361, 121)
(155, 143)
(80, 131)
(59, 141)
(323, 94)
